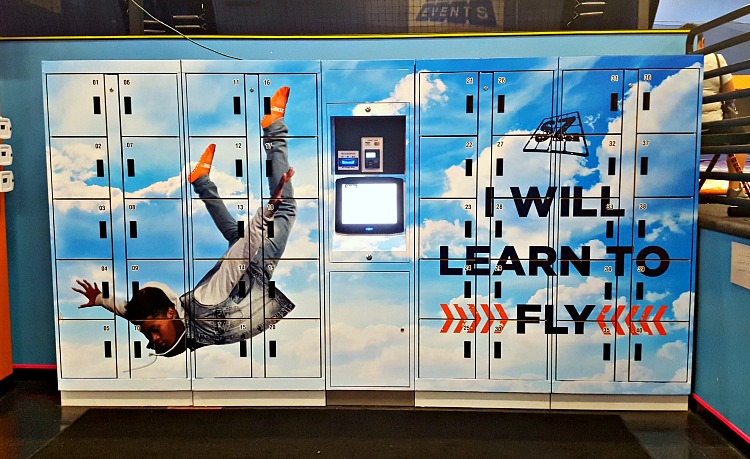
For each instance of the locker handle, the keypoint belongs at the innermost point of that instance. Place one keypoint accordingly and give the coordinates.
(243, 348)
(497, 350)
(501, 103)
(102, 230)
(269, 231)
(639, 290)
(610, 231)
(135, 286)
(644, 165)
(97, 105)
(498, 290)
(646, 101)
(242, 289)
(266, 105)
(608, 290)
(241, 229)
(641, 228)
(269, 168)
(607, 351)
(638, 354)
(108, 349)
(238, 168)
(272, 289)
(498, 229)
(489, 205)
(467, 229)
(469, 163)
(100, 168)
(237, 105)
(499, 167)
(612, 166)
(613, 99)
(272, 348)
(128, 106)
(133, 229)
(467, 349)
(469, 103)
(467, 289)
(105, 289)
(137, 349)
(131, 167)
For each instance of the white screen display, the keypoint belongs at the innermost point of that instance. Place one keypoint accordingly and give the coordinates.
(369, 203)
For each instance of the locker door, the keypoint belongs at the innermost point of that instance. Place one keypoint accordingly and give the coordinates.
(436, 289)
(447, 225)
(152, 167)
(669, 100)
(169, 272)
(663, 167)
(588, 356)
(599, 287)
(448, 167)
(79, 167)
(224, 361)
(664, 228)
(97, 272)
(446, 354)
(596, 96)
(235, 169)
(149, 105)
(75, 105)
(301, 114)
(587, 221)
(82, 229)
(154, 228)
(598, 166)
(299, 280)
(517, 225)
(661, 357)
(662, 291)
(513, 167)
(456, 111)
(303, 237)
(207, 240)
(303, 157)
(522, 101)
(293, 349)
(87, 349)
(519, 356)
(146, 363)
(215, 105)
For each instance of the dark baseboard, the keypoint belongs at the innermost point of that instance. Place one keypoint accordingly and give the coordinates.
(7, 384)
(35, 374)
(719, 424)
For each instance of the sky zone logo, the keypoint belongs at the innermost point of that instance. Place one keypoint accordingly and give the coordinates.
(559, 134)
(472, 12)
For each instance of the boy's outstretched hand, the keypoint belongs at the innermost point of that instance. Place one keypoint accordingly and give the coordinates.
(89, 291)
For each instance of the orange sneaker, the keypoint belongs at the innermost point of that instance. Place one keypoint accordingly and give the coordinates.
(204, 164)
(278, 107)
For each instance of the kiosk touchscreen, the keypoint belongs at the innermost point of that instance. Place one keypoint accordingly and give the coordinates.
(369, 205)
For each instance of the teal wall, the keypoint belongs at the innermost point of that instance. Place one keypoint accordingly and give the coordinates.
(27, 216)
(722, 336)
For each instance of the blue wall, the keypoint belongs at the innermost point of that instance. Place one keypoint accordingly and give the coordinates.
(27, 216)
(722, 336)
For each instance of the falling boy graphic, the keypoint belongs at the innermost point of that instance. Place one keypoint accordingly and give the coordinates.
(239, 303)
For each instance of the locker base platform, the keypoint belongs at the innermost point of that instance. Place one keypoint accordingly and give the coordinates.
(378, 398)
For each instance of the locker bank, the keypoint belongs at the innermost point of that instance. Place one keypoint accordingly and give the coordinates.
(489, 233)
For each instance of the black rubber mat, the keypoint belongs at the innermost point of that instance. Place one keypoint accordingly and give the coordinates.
(342, 432)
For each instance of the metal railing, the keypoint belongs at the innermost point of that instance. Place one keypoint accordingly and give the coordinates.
(728, 136)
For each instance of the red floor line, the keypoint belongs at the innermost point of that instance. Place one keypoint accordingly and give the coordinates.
(722, 418)
(31, 366)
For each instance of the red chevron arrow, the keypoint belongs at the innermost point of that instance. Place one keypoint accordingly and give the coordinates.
(503, 317)
(630, 317)
(449, 320)
(477, 318)
(601, 319)
(463, 317)
(616, 320)
(644, 319)
(490, 318)
(657, 320)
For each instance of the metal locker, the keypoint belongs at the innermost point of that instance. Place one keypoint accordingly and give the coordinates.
(149, 105)
(456, 110)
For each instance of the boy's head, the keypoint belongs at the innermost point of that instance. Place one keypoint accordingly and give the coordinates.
(155, 314)
(700, 40)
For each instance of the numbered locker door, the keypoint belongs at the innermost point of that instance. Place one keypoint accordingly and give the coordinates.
(446, 227)
(233, 360)
(592, 102)
(456, 111)
(665, 165)
(98, 273)
(663, 229)
(448, 167)
(516, 356)
(207, 239)
(522, 101)
(303, 158)
(301, 115)
(75, 105)
(87, 349)
(215, 105)
(152, 167)
(147, 362)
(82, 228)
(590, 284)
(517, 166)
(518, 225)
(596, 166)
(589, 356)
(669, 101)
(149, 105)
(154, 228)
(300, 281)
(236, 168)
(296, 240)
(661, 356)
(293, 349)
(79, 167)
(585, 220)
(447, 353)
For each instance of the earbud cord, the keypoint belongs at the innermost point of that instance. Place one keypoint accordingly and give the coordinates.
(156, 355)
